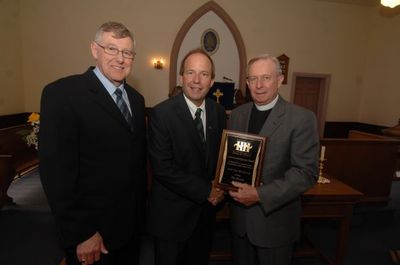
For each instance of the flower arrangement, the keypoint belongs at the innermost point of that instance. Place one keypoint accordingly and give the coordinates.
(32, 138)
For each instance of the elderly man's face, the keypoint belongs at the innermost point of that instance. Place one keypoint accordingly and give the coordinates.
(115, 67)
(263, 81)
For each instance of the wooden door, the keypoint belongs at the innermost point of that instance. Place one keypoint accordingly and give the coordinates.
(310, 91)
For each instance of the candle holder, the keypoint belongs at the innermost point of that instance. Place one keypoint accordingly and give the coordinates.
(322, 179)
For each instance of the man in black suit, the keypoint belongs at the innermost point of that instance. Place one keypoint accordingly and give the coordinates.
(183, 151)
(93, 155)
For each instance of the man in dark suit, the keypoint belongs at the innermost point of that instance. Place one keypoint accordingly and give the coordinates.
(93, 154)
(183, 151)
(266, 219)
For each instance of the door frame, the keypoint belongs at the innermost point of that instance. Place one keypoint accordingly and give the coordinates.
(323, 98)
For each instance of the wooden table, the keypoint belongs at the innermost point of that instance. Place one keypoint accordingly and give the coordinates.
(334, 201)
(323, 201)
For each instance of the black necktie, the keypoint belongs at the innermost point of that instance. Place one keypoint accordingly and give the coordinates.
(123, 107)
(199, 125)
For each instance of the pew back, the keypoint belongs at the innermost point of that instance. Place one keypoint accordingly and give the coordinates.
(354, 134)
(16, 157)
(12, 143)
(365, 163)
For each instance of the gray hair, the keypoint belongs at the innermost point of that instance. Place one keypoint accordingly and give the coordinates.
(265, 57)
(118, 29)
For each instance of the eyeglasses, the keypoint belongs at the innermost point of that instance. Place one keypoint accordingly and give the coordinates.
(263, 78)
(114, 51)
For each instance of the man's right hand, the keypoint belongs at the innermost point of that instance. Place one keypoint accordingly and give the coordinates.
(90, 250)
(216, 195)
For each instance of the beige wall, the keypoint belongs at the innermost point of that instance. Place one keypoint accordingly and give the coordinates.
(381, 85)
(355, 44)
(11, 82)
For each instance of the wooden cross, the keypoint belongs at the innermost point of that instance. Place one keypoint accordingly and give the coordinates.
(218, 94)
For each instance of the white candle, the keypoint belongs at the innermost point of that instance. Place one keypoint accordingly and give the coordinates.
(322, 157)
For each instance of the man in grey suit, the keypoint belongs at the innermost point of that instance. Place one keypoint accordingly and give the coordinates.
(266, 219)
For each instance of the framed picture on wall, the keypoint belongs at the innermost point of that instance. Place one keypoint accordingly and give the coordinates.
(284, 61)
(210, 41)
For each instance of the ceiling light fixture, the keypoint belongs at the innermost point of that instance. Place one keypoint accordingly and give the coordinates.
(390, 3)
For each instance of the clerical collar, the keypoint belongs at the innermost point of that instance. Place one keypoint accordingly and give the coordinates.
(267, 106)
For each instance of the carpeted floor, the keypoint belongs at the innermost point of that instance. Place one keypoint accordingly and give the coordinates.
(27, 232)
(28, 235)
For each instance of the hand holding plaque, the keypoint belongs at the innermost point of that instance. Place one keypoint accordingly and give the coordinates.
(241, 158)
(246, 194)
(216, 196)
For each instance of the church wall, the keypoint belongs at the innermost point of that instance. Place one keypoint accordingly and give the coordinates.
(319, 37)
(381, 83)
(11, 82)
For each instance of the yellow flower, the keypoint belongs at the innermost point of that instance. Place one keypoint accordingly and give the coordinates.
(34, 117)
(32, 137)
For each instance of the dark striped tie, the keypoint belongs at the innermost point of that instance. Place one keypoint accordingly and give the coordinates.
(123, 107)
(199, 125)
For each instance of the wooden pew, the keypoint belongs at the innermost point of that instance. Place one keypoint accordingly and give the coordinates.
(364, 135)
(354, 134)
(363, 161)
(16, 158)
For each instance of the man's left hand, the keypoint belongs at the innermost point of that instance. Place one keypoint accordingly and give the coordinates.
(245, 194)
(90, 250)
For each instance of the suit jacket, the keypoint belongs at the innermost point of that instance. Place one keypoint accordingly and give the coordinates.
(290, 168)
(182, 169)
(92, 166)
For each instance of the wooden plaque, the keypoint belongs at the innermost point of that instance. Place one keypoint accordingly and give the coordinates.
(241, 158)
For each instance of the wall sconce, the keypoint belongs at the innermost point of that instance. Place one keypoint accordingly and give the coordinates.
(390, 3)
(158, 63)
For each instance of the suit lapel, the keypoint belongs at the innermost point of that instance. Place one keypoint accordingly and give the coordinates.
(243, 118)
(211, 127)
(133, 102)
(210, 121)
(274, 119)
(103, 98)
